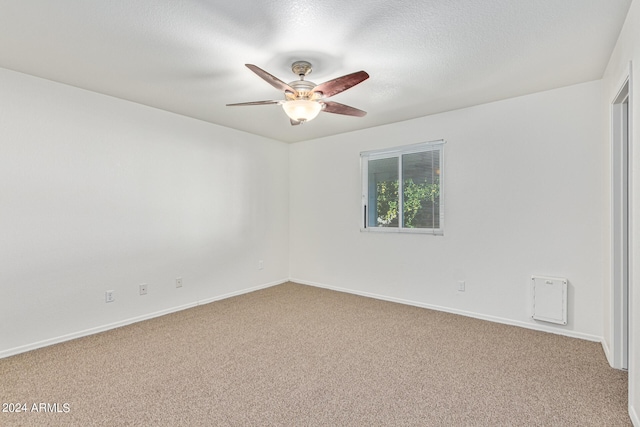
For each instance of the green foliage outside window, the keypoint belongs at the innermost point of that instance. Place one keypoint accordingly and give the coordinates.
(415, 197)
(387, 203)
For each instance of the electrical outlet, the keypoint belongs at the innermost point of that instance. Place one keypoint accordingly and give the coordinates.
(260, 265)
(179, 282)
(143, 289)
(108, 296)
(461, 286)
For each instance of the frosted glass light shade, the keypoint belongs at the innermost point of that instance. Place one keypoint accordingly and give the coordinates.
(302, 110)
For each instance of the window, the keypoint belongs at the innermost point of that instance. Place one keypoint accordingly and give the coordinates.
(402, 189)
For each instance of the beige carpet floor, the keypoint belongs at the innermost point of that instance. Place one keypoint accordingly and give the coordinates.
(294, 355)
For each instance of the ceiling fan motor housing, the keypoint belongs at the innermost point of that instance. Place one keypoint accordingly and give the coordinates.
(303, 87)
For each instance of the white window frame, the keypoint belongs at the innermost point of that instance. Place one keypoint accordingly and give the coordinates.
(398, 152)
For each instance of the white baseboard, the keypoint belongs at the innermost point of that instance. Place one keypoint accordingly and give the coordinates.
(102, 328)
(635, 420)
(607, 352)
(125, 322)
(537, 327)
(242, 291)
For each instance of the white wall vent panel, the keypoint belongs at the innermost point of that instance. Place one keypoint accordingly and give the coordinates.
(549, 299)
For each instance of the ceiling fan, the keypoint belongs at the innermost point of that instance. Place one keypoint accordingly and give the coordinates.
(304, 99)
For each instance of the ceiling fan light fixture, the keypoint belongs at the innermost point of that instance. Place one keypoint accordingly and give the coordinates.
(302, 110)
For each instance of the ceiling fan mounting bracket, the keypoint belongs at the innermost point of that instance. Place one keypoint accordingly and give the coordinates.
(301, 68)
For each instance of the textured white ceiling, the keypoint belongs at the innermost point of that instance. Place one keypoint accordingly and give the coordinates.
(423, 57)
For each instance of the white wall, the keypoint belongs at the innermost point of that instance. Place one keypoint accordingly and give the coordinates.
(628, 49)
(98, 194)
(524, 194)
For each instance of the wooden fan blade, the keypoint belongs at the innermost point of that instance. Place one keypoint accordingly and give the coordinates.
(340, 84)
(337, 108)
(254, 103)
(272, 80)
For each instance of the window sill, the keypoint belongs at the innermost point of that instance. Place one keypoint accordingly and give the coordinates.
(395, 230)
